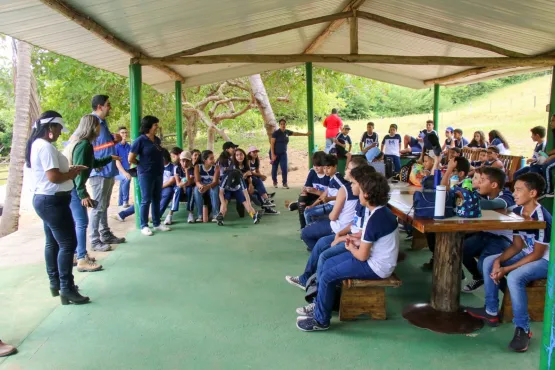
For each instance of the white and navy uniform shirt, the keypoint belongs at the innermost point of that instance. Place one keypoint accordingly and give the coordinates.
(336, 182)
(316, 181)
(499, 144)
(254, 165)
(348, 212)
(392, 145)
(449, 143)
(540, 147)
(381, 230)
(506, 196)
(461, 143)
(169, 171)
(531, 237)
(368, 140)
(424, 136)
(206, 176)
(361, 214)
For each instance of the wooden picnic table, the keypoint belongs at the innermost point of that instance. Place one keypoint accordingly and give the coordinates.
(444, 314)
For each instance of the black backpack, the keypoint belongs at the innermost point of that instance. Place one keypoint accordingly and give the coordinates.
(388, 163)
(404, 174)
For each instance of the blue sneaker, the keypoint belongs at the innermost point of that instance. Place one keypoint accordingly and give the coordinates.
(310, 324)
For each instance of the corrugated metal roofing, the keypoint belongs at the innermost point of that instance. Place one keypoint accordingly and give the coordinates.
(163, 27)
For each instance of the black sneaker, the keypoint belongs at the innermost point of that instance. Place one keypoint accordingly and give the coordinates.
(408, 237)
(268, 203)
(271, 195)
(112, 239)
(473, 285)
(220, 219)
(295, 281)
(101, 247)
(275, 185)
(293, 206)
(270, 211)
(480, 313)
(520, 341)
(310, 324)
(256, 218)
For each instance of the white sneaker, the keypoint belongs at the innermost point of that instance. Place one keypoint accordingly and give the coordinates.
(162, 228)
(168, 220)
(146, 231)
(199, 219)
(191, 218)
(118, 217)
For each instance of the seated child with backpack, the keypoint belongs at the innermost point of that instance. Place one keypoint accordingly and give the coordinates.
(525, 260)
(324, 204)
(185, 182)
(207, 180)
(373, 257)
(337, 240)
(233, 186)
(488, 242)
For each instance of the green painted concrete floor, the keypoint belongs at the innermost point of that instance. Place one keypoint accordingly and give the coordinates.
(209, 297)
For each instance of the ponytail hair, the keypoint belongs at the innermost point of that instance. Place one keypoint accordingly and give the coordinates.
(40, 127)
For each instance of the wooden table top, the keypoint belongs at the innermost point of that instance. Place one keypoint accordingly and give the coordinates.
(400, 204)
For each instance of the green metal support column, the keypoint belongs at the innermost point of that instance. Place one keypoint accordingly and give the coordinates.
(436, 107)
(310, 111)
(135, 95)
(547, 359)
(178, 115)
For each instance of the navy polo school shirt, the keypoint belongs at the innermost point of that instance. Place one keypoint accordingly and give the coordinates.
(151, 161)
(282, 139)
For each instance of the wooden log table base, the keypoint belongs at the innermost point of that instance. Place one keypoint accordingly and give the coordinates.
(443, 314)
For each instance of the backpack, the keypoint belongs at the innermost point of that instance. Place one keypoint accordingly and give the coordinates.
(404, 174)
(467, 202)
(233, 180)
(388, 164)
(424, 202)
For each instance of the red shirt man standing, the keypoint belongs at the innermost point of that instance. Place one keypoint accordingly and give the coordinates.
(333, 124)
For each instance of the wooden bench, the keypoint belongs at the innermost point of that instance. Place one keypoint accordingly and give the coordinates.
(536, 301)
(365, 297)
(510, 162)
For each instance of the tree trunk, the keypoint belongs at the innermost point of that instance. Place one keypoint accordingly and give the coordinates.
(210, 141)
(263, 103)
(10, 216)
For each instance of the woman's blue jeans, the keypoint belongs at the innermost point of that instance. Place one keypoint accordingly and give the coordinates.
(81, 219)
(151, 193)
(61, 242)
(214, 195)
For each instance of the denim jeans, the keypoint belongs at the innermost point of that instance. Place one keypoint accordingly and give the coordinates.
(396, 162)
(61, 241)
(311, 233)
(516, 282)
(323, 244)
(321, 211)
(481, 245)
(259, 187)
(167, 197)
(329, 143)
(281, 161)
(190, 193)
(151, 193)
(81, 220)
(213, 195)
(340, 267)
(101, 192)
(327, 254)
(124, 185)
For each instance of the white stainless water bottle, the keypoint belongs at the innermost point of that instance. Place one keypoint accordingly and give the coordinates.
(439, 210)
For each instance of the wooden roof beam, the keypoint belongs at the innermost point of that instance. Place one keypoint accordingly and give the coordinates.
(98, 30)
(506, 62)
(475, 71)
(332, 27)
(438, 35)
(262, 33)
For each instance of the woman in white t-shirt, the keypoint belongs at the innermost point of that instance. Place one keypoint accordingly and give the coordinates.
(52, 182)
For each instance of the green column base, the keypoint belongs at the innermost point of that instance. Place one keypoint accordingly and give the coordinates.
(341, 162)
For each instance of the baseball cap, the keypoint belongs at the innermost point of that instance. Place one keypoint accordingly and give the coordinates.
(185, 155)
(252, 148)
(450, 129)
(229, 144)
(347, 127)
